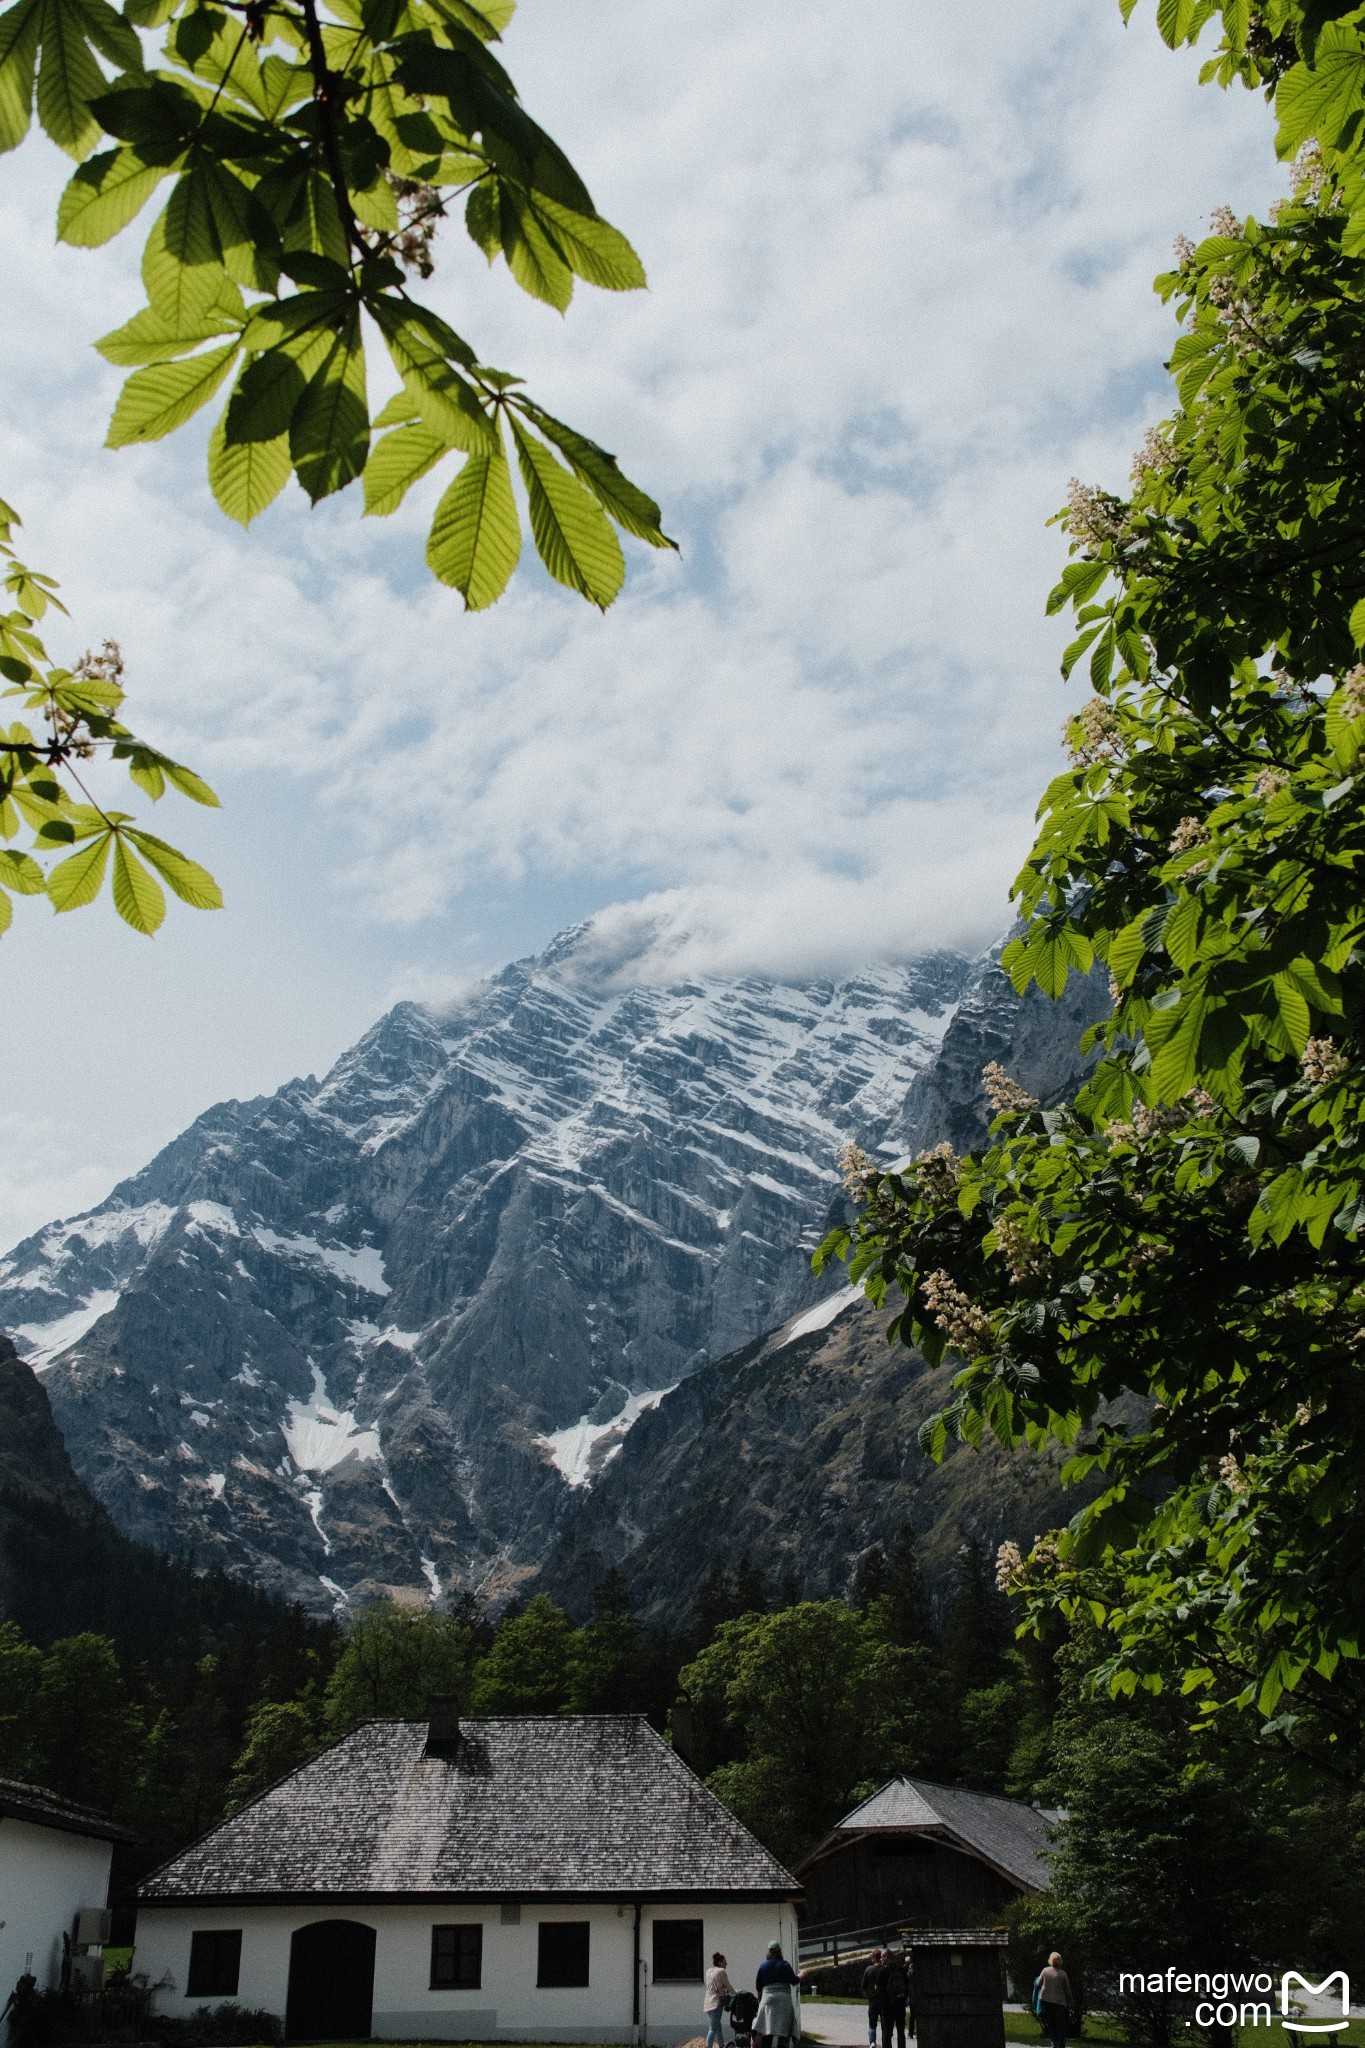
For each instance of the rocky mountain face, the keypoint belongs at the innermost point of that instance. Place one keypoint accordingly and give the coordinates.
(389, 1331)
(801, 1451)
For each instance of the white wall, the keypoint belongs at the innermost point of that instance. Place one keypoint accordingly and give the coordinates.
(508, 2005)
(46, 1878)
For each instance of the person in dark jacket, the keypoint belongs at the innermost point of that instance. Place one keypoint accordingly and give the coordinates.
(874, 1963)
(1052, 2000)
(775, 1983)
(892, 1990)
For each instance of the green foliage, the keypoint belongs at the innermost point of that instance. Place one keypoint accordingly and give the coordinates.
(1202, 1855)
(394, 1659)
(527, 1669)
(1189, 1232)
(280, 1735)
(804, 1707)
(311, 153)
(73, 718)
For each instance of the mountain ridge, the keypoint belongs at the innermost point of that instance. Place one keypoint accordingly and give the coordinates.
(359, 1336)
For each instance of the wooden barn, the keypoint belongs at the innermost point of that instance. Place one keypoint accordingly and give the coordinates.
(917, 1855)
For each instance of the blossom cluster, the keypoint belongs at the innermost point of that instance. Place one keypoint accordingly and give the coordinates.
(1025, 1259)
(1094, 733)
(1323, 1062)
(1003, 1091)
(1094, 515)
(937, 1172)
(967, 1327)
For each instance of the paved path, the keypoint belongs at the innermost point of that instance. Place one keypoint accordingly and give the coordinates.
(843, 2026)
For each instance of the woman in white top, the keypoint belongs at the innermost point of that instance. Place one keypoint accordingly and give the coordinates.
(718, 1990)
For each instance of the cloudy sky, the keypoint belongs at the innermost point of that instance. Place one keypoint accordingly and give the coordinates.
(900, 260)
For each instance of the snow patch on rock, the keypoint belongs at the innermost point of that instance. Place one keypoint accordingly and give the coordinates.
(319, 1435)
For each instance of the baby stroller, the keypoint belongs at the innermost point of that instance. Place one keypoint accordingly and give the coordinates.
(743, 2013)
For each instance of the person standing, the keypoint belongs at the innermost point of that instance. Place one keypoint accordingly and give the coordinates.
(775, 1983)
(719, 1992)
(893, 1994)
(1052, 2000)
(874, 1963)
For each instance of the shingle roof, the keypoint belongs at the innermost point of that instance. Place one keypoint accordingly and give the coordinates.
(45, 1809)
(574, 1803)
(1012, 1836)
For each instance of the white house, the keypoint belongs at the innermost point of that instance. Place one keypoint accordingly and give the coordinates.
(54, 1865)
(556, 1878)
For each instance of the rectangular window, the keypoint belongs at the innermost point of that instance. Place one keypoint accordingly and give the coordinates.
(562, 1963)
(456, 1958)
(678, 1952)
(215, 1963)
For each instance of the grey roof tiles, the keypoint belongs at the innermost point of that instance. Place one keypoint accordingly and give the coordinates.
(580, 1804)
(1007, 1833)
(45, 1809)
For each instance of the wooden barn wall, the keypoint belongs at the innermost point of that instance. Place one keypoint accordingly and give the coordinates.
(924, 1883)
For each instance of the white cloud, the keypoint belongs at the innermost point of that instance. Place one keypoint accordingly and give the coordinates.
(900, 266)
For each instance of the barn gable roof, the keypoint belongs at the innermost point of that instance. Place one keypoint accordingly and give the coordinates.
(1003, 1832)
(580, 1804)
(44, 1809)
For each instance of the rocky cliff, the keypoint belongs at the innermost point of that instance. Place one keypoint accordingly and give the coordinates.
(386, 1331)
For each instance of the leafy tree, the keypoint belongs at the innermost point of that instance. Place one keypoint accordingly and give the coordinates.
(1190, 1229)
(1200, 1854)
(393, 1661)
(807, 1702)
(21, 1670)
(312, 151)
(88, 1734)
(871, 1580)
(280, 1735)
(73, 720)
(527, 1669)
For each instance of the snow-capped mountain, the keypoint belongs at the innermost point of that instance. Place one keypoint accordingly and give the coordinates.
(381, 1331)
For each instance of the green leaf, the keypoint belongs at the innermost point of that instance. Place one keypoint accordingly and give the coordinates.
(329, 434)
(75, 882)
(154, 402)
(246, 234)
(573, 535)
(265, 398)
(533, 254)
(146, 338)
(19, 27)
(598, 252)
(138, 896)
(104, 195)
(192, 884)
(1175, 1068)
(189, 784)
(68, 79)
(626, 502)
(22, 874)
(1358, 622)
(1323, 99)
(181, 264)
(475, 538)
(396, 462)
(246, 476)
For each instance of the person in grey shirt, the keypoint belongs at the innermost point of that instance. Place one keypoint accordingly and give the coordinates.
(1052, 2000)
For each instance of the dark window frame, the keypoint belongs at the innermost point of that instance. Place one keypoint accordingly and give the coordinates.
(696, 1934)
(559, 1972)
(457, 1946)
(215, 1962)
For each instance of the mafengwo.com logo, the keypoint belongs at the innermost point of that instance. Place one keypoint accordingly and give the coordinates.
(1224, 1999)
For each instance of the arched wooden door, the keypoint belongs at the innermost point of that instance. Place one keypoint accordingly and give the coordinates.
(331, 1982)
